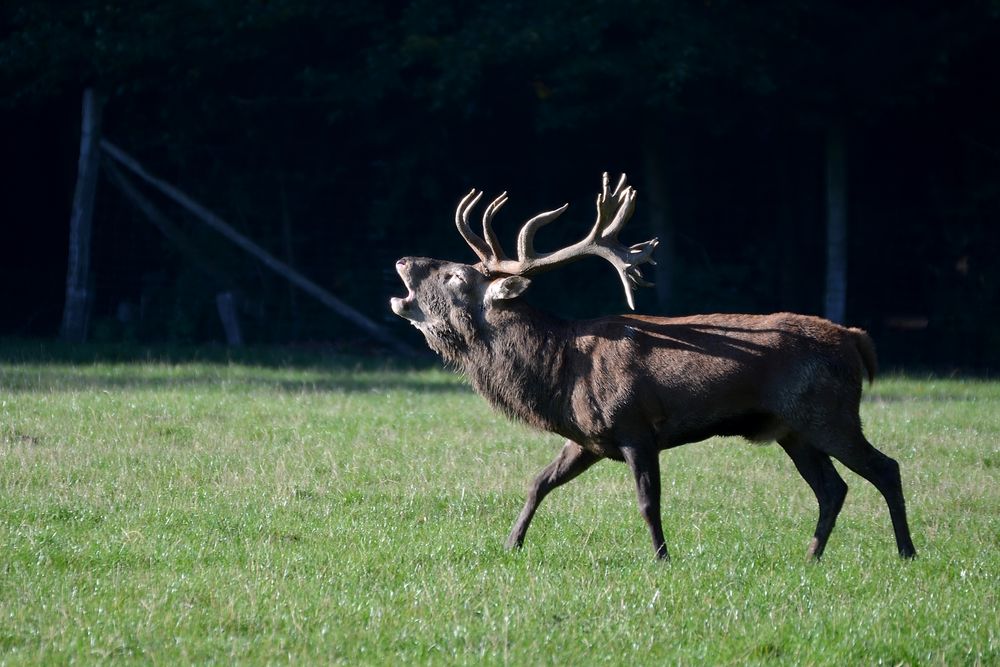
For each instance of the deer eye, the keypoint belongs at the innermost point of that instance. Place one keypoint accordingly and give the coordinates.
(454, 278)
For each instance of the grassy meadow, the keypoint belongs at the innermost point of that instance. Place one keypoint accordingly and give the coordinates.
(282, 507)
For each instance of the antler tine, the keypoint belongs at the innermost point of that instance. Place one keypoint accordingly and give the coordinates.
(478, 245)
(614, 210)
(526, 237)
(629, 271)
(621, 182)
(488, 233)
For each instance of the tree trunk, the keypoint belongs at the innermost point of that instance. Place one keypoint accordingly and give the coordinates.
(836, 223)
(661, 224)
(76, 309)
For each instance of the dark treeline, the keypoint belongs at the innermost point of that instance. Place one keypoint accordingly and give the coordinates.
(340, 136)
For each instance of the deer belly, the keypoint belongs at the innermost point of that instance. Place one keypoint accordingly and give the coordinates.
(754, 426)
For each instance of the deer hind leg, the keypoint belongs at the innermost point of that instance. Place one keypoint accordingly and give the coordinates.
(570, 462)
(883, 472)
(645, 465)
(855, 452)
(818, 471)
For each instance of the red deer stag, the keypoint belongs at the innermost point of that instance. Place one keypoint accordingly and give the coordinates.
(626, 387)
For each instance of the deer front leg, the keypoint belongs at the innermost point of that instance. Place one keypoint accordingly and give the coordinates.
(570, 462)
(645, 465)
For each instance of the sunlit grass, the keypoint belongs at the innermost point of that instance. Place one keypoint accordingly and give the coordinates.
(337, 510)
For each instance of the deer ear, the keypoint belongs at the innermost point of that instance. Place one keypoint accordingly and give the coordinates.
(506, 288)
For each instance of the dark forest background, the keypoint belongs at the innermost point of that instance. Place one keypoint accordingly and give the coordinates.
(341, 135)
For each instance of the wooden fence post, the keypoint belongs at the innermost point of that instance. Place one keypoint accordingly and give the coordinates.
(226, 304)
(76, 309)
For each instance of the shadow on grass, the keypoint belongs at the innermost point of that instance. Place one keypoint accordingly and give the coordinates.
(50, 366)
(306, 355)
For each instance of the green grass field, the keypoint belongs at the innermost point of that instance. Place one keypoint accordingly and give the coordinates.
(330, 510)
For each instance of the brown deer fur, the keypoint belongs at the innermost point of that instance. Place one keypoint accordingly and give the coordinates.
(627, 387)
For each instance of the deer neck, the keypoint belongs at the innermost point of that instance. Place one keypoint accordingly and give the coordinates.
(517, 363)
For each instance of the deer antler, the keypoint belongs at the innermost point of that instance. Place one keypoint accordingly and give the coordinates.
(614, 208)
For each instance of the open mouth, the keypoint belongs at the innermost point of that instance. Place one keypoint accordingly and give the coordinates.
(405, 306)
(400, 305)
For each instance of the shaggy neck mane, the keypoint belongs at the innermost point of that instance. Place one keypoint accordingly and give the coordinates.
(515, 360)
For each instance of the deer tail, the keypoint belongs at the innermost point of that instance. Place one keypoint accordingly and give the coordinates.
(866, 351)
